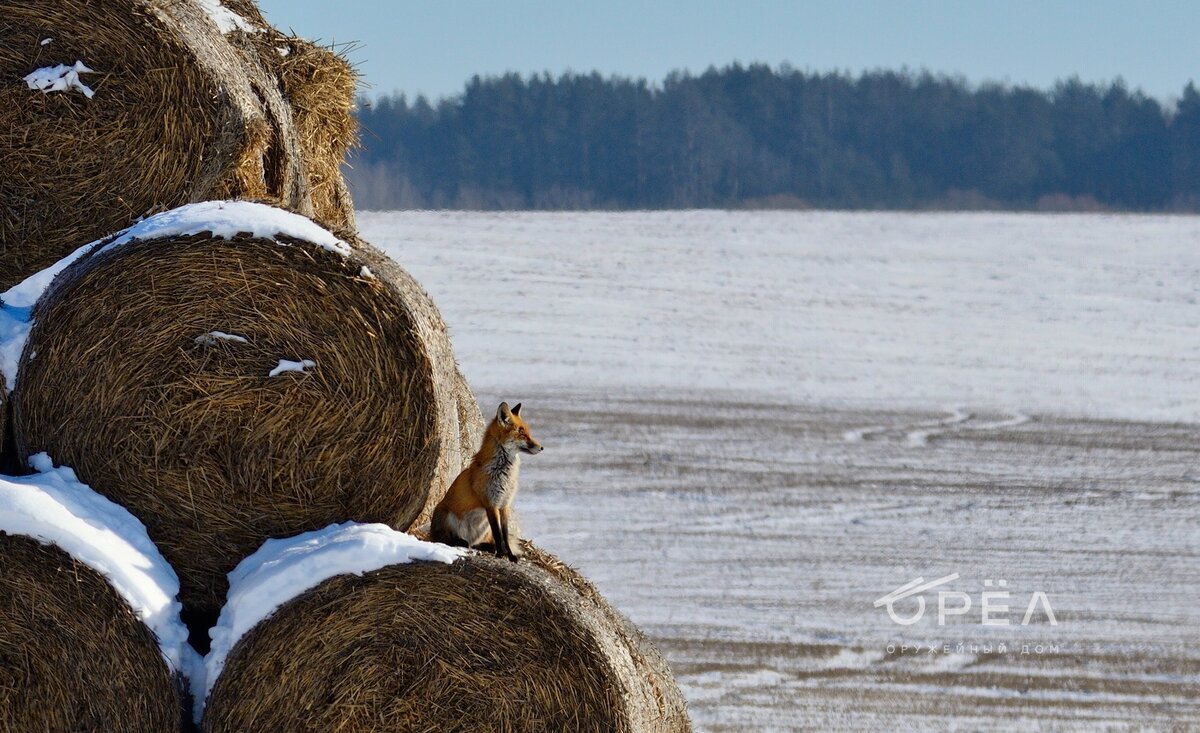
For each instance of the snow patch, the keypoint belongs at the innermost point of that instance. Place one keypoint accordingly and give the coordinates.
(60, 78)
(14, 332)
(921, 437)
(45, 41)
(366, 272)
(16, 309)
(291, 366)
(227, 20)
(227, 219)
(212, 338)
(906, 311)
(54, 507)
(952, 661)
(958, 416)
(954, 415)
(284, 568)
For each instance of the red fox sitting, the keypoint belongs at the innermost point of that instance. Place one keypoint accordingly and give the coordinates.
(479, 499)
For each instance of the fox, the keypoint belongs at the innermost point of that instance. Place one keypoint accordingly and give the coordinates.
(476, 507)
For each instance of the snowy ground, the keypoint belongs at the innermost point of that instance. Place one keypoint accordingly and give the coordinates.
(758, 424)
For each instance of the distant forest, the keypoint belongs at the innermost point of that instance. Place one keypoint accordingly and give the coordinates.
(761, 137)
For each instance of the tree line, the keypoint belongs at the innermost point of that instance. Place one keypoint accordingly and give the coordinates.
(757, 136)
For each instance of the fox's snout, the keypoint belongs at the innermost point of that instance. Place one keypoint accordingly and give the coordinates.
(532, 448)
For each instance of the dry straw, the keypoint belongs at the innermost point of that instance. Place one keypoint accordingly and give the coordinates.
(479, 645)
(320, 87)
(73, 656)
(458, 412)
(133, 386)
(668, 710)
(179, 114)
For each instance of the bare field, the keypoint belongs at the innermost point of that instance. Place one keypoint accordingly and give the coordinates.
(760, 424)
(751, 541)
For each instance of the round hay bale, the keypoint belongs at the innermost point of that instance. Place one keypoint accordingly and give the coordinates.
(178, 114)
(149, 371)
(651, 665)
(320, 87)
(478, 645)
(73, 656)
(458, 412)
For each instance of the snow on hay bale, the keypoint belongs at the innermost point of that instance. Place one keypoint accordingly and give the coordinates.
(3, 401)
(358, 628)
(232, 372)
(90, 634)
(155, 108)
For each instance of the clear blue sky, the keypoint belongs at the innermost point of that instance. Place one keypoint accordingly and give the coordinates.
(434, 47)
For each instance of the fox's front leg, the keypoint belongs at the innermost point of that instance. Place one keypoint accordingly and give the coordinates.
(505, 525)
(499, 542)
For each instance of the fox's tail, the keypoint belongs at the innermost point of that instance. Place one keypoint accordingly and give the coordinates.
(439, 530)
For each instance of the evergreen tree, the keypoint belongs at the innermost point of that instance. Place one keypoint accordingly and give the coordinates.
(747, 135)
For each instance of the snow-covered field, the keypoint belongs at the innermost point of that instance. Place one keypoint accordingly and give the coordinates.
(759, 424)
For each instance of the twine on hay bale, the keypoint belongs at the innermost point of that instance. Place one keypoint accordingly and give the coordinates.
(151, 380)
(73, 656)
(179, 114)
(480, 644)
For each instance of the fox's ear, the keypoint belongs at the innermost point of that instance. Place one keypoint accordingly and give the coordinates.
(517, 410)
(503, 414)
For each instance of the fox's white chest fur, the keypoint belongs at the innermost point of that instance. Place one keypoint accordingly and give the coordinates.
(502, 474)
(501, 488)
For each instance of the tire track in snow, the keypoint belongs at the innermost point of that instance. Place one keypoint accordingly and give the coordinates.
(954, 416)
(920, 433)
(922, 437)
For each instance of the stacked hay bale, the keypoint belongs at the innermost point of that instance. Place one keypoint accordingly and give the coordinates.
(90, 635)
(422, 637)
(73, 655)
(319, 86)
(232, 372)
(173, 112)
(458, 415)
(668, 713)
